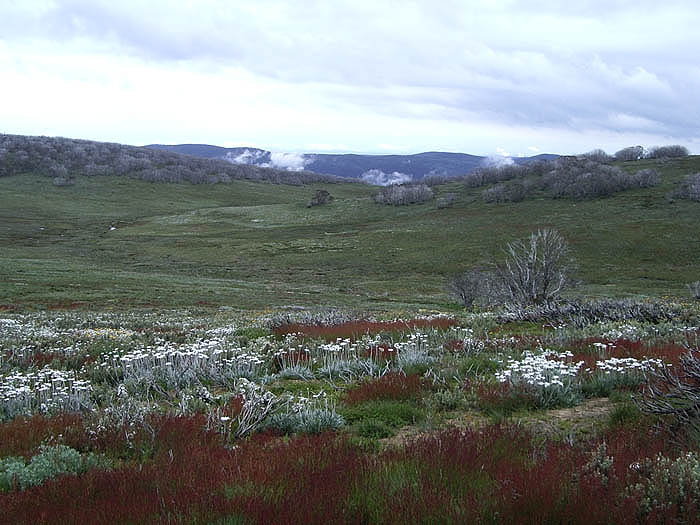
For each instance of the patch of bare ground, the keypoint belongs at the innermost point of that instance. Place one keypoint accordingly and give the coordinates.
(572, 424)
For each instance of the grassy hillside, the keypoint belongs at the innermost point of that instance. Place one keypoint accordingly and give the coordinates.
(254, 245)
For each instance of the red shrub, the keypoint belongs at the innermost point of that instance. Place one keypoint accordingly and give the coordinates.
(468, 476)
(394, 385)
(622, 348)
(503, 397)
(22, 436)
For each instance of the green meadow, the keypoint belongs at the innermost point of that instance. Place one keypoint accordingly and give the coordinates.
(257, 245)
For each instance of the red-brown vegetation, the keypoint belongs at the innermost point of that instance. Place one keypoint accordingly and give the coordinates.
(394, 385)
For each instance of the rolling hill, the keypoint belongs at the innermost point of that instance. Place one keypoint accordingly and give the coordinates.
(121, 241)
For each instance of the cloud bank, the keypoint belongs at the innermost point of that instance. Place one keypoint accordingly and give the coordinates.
(458, 76)
(379, 178)
(279, 160)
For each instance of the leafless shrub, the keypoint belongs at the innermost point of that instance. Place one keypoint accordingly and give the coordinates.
(675, 391)
(320, 198)
(647, 178)
(446, 200)
(435, 179)
(630, 153)
(537, 269)
(598, 155)
(514, 191)
(474, 286)
(63, 181)
(668, 152)
(689, 188)
(402, 194)
(578, 179)
(694, 289)
(314, 317)
(584, 313)
(499, 173)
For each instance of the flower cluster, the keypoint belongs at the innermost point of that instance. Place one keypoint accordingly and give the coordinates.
(543, 370)
(184, 364)
(46, 391)
(626, 365)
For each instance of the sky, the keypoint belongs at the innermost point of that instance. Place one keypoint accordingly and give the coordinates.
(369, 76)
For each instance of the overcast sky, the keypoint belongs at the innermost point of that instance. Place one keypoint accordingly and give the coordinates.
(375, 76)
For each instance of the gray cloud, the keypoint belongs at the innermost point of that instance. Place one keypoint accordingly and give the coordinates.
(615, 66)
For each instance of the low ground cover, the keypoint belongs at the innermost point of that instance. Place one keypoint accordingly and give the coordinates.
(183, 417)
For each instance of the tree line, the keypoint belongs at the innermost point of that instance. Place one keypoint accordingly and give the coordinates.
(62, 159)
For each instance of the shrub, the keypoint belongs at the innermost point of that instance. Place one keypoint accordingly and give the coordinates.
(548, 375)
(630, 153)
(402, 194)
(63, 181)
(51, 461)
(499, 173)
(668, 484)
(470, 286)
(353, 328)
(675, 392)
(503, 399)
(320, 198)
(447, 200)
(305, 420)
(689, 188)
(694, 289)
(511, 192)
(579, 178)
(598, 155)
(668, 152)
(647, 178)
(537, 269)
(584, 313)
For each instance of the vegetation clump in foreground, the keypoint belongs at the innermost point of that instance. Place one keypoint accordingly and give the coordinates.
(151, 416)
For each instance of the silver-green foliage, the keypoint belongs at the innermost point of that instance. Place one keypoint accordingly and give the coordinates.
(306, 421)
(666, 483)
(51, 461)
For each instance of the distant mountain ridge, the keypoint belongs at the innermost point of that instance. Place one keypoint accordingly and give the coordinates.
(64, 158)
(351, 165)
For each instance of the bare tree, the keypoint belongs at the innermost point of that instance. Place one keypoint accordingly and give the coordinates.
(537, 269)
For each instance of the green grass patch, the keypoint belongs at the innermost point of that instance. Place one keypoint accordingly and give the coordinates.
(389, 412)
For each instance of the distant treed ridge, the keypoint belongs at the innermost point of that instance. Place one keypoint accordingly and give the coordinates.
(62, 159)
